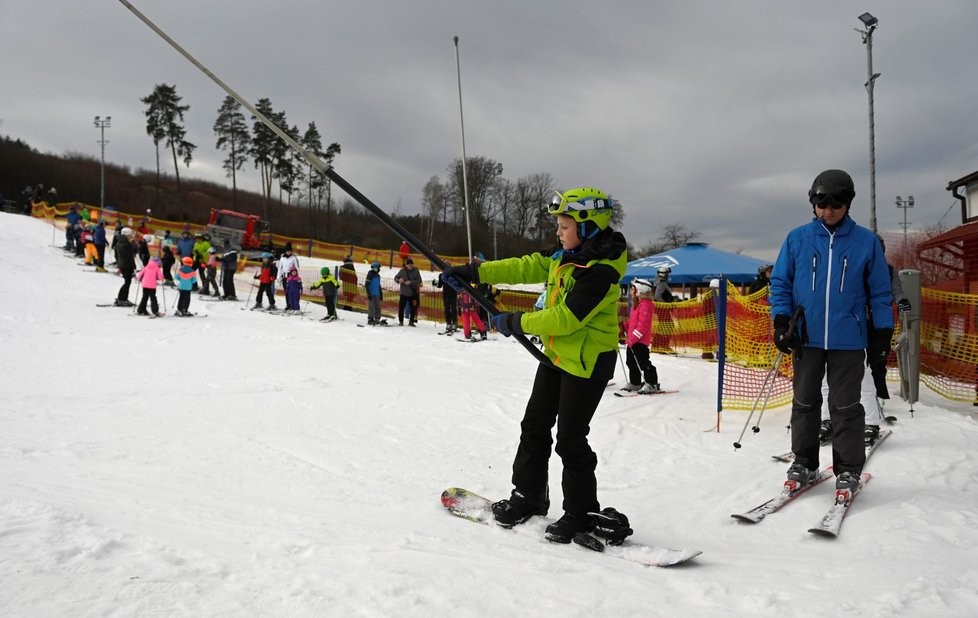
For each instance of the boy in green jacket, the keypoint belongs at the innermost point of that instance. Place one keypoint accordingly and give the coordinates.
(329, 285)
(579, 329)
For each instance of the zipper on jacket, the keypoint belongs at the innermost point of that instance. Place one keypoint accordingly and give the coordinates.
(828, 289)
(814, 263)
(842, 283)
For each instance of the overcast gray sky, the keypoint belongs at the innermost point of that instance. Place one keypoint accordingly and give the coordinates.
(711, 114)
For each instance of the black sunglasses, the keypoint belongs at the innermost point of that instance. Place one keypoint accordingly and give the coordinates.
(827, 200)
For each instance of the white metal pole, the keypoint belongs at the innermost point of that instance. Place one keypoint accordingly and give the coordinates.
(465, 181)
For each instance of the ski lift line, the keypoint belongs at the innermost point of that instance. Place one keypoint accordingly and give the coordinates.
(330, 173)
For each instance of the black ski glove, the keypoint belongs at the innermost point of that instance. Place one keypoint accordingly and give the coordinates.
(903, 305)
(507, 323)
(784, 341)
(879, 346)
(611, 525)
(460, 277)
(878, 371)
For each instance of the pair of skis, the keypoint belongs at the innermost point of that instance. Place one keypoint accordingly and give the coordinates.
(831, 523)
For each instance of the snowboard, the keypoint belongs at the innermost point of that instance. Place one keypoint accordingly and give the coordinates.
(473, 507)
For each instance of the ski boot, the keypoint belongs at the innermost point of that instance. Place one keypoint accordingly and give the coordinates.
(516, 510)
(630, 388)
(649, 389)
(799, 476)
(846, 485)
(567, 527)
(870, 435)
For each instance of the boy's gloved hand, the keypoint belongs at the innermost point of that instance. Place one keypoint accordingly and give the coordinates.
(460, 276)
(507, 323)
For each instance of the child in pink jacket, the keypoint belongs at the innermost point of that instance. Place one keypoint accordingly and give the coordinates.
(148, 277)
(637, 339)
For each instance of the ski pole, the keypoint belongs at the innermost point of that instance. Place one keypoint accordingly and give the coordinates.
(624, 372)
(251, 289)
(163, 295)
(768, 378)
(135, 306)
(328, 171)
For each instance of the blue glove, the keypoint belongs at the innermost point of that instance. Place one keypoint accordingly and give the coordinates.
(459, 277)
(507, 323)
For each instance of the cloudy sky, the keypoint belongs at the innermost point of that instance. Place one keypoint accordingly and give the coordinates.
(711, 114)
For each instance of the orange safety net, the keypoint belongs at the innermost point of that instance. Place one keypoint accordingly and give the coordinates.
(949, 344)
(750, 354)
(685, 326)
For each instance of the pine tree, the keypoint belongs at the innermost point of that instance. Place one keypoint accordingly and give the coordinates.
(164, 122)
(263, 143)
(234, 139)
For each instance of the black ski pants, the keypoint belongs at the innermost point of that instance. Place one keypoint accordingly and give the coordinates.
(411, 302)
(569, 402)
(124, 290)
(266, 290)
(183, 303)
(639, 365)
(843, 370)
(227, 278)
(450, 301)
(149, 294)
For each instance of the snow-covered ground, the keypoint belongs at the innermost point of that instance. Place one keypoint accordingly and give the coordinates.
(248, 464)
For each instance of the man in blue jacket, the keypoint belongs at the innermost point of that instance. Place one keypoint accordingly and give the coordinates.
(834, 273)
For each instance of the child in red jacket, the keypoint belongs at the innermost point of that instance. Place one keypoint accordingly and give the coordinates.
(266, 281)
(638, 337)
(470, 314)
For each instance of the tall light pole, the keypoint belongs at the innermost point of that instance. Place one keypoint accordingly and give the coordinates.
(465, 181)
(870, 22)
(103, 124)
(905, 204)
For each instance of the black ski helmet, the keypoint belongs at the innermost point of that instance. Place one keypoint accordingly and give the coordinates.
(834, 183)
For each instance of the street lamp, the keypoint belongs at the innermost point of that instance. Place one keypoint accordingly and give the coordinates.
(103, 124)
(904, 204)
(870, 23)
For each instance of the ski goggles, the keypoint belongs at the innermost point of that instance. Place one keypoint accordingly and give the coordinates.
(559, 205)
(827, 200)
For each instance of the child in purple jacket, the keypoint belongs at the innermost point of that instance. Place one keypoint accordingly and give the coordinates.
(293, 290)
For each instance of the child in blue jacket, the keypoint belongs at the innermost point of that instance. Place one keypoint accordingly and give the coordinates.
(186, 278)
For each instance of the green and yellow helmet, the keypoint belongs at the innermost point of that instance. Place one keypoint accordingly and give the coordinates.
(590, 207)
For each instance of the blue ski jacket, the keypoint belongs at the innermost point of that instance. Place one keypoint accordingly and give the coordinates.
(835, 276)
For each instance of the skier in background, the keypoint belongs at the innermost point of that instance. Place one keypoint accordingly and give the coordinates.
(126, 261)
(470, 314)
(149, 277)
(348, 278)
(293, 291)
(763, 278)
(449, 299)
(329, 285)
(229, 266)
(186, 276)
(579, 329)
(409, 279)
(638, 336)
(266, 281)
(374, 296)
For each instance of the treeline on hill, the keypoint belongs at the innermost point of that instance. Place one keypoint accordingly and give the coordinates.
(77, 178)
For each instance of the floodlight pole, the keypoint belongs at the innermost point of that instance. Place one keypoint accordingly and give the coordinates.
(867, 34)
(103, 124)
(465, 181)
(905, 204)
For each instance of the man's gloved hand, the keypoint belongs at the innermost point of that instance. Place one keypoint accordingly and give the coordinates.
(879, 346)
(903, 305)
(782, 340)
(460, 276)
(507, 323)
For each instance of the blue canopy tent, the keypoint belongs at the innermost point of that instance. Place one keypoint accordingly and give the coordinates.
(695, 263)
